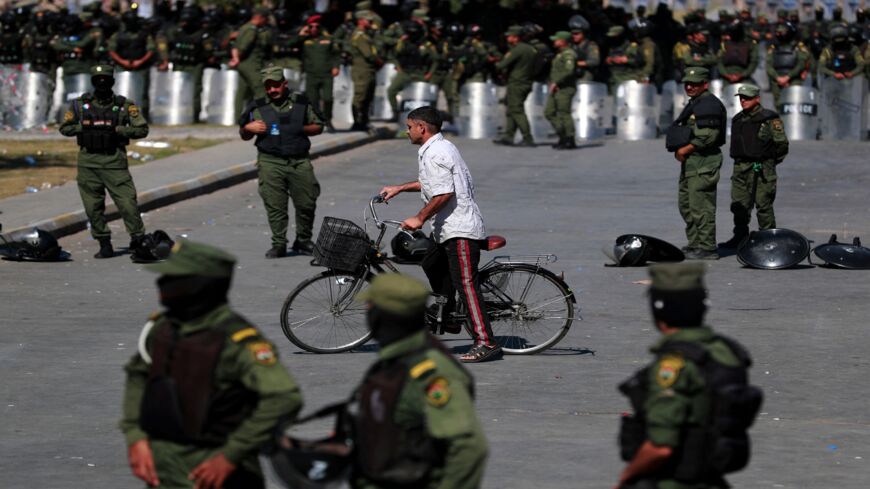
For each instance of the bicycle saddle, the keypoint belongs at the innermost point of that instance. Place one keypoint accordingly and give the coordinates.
(495, 242)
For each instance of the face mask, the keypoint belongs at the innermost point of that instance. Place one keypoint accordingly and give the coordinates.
(190, 296)
(102, 83)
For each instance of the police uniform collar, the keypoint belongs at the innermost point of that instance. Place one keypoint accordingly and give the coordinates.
(408, 344)
(202, 322)
(701, 334)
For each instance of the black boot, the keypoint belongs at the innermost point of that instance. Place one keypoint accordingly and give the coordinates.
(734, 242)
(569, 144)
(277, 252)
(303, 247)
(106, 250)
(560, 144)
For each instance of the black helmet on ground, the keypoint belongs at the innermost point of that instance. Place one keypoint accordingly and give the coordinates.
(36, 245)
(152, 247)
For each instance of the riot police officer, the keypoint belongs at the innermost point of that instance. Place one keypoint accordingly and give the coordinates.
(738, 56)
(695, 139)
(479, 56)
(103, 124)
(563, 86)
(37, 45)
(694, 52)
(183, 45)
(77, 45)
(206, 389)
(588, 55)
(841, 59)
(366, 61)
(132, 49)
(758, 145)
(11, 39)
(625, 58)
(320, 60)
(286, 51)
(451, 55)
(519, 64)
(788, 61)
(247, 57)
(416, 425)
(416, 61)
(674, 439)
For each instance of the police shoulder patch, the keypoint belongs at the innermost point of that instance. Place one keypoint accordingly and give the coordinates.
(262, 352)
(777, 124)
(438, 392)
(243, 334)
(421, 368)
(133, 110)
(669, 370)
(67, 116)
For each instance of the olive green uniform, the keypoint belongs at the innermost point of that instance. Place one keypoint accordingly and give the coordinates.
(252, 44)
(103, 172)
(632, 70)
(437, 395)
(476, 67)
(246, 359)
(187, 51)
(519, 64)
(77, 63)
(320, 55)
(39, 53)
(727, 67)
(558, 108)
(699, 176)
(827, 67)
(362, 73)
(743, 177)
(795, 74)
(587, 51)
(425, 59)
(448, 71)
(283, 178)
(150, 47)
(687, 54)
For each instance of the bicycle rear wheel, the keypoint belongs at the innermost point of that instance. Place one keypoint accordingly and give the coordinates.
(321, 314)
(529, 308)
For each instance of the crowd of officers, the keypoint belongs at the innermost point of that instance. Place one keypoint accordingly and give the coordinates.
(613, 46)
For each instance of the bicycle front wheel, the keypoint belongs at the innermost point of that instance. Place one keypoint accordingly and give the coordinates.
(529, 308)
(322, 315)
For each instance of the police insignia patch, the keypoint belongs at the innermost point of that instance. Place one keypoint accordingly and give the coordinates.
(134, 111)
(438, 392)
(67, 116)
(263, 353)
(777, 124)
(669, 370)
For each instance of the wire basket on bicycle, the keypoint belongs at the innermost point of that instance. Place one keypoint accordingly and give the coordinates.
(341, 244)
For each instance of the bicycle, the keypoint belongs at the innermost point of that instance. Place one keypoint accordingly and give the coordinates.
(530, 308)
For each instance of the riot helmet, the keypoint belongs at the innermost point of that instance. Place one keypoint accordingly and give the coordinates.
(578, 23)
(131, 20)
(152, 247)
(785, 32)
(411, 247)
(36, 245)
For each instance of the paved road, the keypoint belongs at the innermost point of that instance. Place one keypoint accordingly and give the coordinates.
(552, 418)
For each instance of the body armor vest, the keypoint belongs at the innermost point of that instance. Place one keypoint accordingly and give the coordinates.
(409, 57)
(745, 143)
(634, 61)
(843, 60)
(181, 402)
(737, 54)
(72, 55)
(784, 59)
(10, 48)
(284, 137)
(98, 125)
(281, 47)
(132, 45)
(187, 48)
(41, 53)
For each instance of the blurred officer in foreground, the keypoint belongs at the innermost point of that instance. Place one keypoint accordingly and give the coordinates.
(206, 388)
(103, 124)
(695, 138)
(563, 86)
(282, 124)
(693, 404)
(416, 426)
(758, 144)
(519, 65)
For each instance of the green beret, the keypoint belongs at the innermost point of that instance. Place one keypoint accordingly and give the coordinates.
(696, 74)
(677, 276)
(748, 90)
(396, 293)
(514, 30)
(272, 72)
(615, 31)
(561, 36)
(103, 69)
(191, 258)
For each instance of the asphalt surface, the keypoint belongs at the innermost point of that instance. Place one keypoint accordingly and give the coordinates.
(551, 419)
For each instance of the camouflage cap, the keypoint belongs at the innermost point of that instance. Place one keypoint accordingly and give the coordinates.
(514, 30)
(192, 258)
(615, 31)
(396, 293)
(696, 74)
(677, 276)
(420, 14)
(103, 70)
(561, 36)
(273, 73)
(748, 90)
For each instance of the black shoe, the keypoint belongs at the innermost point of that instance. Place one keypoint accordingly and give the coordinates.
(569, 144)
(502, 142)
(481, 353)
(560, 144)
(303, 247)
(733, 243)
(526, 143)
(106, 250)
(702, 255)
(277, 252)
(687, 249)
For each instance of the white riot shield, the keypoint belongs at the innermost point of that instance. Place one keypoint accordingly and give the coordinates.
(342, 99)
(415, 95)
(381, 110)
(590, 110)
(666, 104)
(130, 84)
(760, 73)
(171, 96)
(680, 100)
(717, 88)
(480, 114)
(25, 97)
(636, 112)
(74, 86)
(799, 110)
(295, 80)
(207, 76)
(534, 106)
(222, 87)
(841, 114)
(58, 104)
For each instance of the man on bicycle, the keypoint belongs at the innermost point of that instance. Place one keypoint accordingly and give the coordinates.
(447, 190)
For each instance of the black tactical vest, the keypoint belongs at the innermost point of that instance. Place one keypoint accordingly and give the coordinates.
(98, 125)
(41, 53)
(281, 45)
(745, 143)
(737, 54)
(186, 48)
(784, 59)
(408, 57)
(132, 45)
(284, 137)
(86, 51)
(843, 60)
(181, 401)
(10, 48)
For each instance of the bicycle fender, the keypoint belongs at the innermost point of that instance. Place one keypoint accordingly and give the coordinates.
(543, 271)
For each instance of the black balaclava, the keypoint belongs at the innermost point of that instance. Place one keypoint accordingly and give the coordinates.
(102, 86)
(188, 297)
(679, 309)
(389, 327)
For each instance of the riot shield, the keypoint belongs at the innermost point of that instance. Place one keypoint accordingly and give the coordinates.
(222, 87)
(130, 84)
(636, 112)
(717, 88)
(295, 80)
(58, 104)
(480, 114)
(381, 110)
(680, 101)
(171, 97)
(799, 110)
(74, 86)
(773, 249)
(760, 73)
(342, 96)
(26, 98)
(207, 76)
(534, 106)
(415, 95)
(841, 115)
(841, 255)
(590, 110)
(666, 104)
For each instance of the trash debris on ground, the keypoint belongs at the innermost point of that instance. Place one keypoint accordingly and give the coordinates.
(153, 144)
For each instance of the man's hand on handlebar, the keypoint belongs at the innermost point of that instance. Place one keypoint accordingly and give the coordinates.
(390, 191)
(412, 223)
